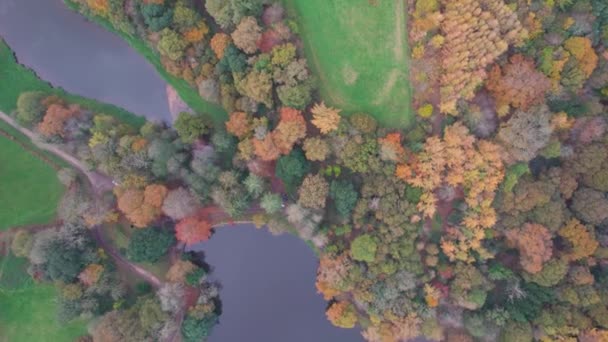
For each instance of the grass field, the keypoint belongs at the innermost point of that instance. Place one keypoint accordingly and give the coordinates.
(28, 315)
(360, 53)
(29, 188)
(16, 79)
(27, 310)
(186, 92)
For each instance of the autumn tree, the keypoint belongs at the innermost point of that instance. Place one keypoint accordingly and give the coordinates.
(247, 35)
(534, 244)
(219, 43)
(192, 230)
(455, 160)
(179, 270)
(313, 192)
(476, 33)
(581, 239)
(55, 119)
(326, 119)
(141, 206)
(342, 314)
(390, 147)
(290, 130)
(266, 149)
(316, 149)
(239, 124)
(256, 85)
(517, 84)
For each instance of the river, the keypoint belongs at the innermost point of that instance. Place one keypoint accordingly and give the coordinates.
(268, 289)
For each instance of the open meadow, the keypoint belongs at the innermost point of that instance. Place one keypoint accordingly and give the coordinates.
(359, 51)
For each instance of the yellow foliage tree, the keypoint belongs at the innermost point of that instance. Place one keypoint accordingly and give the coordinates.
(326, 119)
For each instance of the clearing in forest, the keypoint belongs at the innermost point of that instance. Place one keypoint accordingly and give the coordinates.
(359, 51)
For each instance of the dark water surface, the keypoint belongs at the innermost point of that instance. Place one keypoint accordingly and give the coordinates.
(268, 282)
(268, 291)
(81, 57)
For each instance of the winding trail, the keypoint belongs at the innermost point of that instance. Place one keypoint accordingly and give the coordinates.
(99, 182)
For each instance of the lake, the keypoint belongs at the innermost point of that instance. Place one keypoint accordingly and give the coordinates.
(268, 290)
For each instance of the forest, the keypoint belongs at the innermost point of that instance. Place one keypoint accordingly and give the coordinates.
(486, 219)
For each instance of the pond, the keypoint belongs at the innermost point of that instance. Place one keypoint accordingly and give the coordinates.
(268, 282)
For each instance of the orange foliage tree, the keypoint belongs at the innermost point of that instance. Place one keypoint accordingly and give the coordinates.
(518, 84)
(55, 119)
(476, 33)
(582, 50)
(100, 7)
(266, 148)
(291, 129)
(239, 124)
(342, 314)
(534, 244)
(141, 206)
(219, 43)
(458, 160)
(582, 240)
(192, 230)
(390, 147)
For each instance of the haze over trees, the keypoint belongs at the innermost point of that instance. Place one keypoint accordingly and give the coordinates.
(486, 219)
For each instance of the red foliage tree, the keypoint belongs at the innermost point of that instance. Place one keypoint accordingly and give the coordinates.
(192, 230)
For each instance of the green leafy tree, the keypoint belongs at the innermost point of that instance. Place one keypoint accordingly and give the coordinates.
(271, 203)
(149, 244)
(171, 44)
(255, 185)
(190, 127)
(30, 108)
(196, 330)
(345, 197)
(156, 16)
(363, 248)
(292, 168)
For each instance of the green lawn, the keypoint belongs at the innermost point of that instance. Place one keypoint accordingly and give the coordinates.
(27, 310)
(29, 188)
(28, 315)
(16, 79)
(186, 92)
(360, 54)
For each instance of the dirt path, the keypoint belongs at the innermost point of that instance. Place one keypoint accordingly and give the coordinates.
(100, 183)
(118, 258)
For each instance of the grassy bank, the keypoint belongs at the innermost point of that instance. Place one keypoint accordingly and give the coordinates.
(360, 53)
(186, 92)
